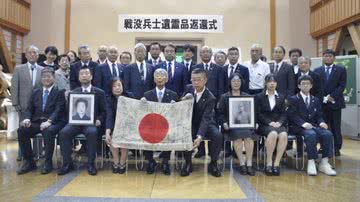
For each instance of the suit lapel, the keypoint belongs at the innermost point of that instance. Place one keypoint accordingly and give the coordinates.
(50, 97)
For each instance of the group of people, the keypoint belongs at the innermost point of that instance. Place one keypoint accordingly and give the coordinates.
(289, 98)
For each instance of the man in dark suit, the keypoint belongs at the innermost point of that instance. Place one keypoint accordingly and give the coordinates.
(284, 73)
(334, 79)
(155, 50)
(85, 60)
(234, 66)
(164, 95)
(177, 76)
(188, 60)
(139, 76)
(215, 73)
(294, 55)
(220, 58)
(203, 122)
(305, 116)
(81, 105)
(67, 134)
(105, 72)
(44, 114)
(304, 69)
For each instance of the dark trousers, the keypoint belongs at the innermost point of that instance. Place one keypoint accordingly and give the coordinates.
(318, 135)
(68, 133)
(333, 119)
(165, 155)
(216, 139)
(255, 92)
(49, 135)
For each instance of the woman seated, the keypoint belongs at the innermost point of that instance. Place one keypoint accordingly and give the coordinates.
(238, 136)
(271, 117)
(119, 163)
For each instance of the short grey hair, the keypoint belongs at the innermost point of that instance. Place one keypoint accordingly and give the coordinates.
(86, 47)
(103, 47)
(207, 47)
(33, 47)
(255, 45)
(308, 59)
(112, 48)
(161, 71)
(140, 45)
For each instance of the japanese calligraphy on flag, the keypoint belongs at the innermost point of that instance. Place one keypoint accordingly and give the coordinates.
(152, 125)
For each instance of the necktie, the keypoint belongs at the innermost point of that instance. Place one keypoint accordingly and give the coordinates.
(142, 71)
(85, 91)
(327, 73)
(307, 101)
(169, 70)
(160, 96)
(231, 71)
(187, 65)
(154, 63)
(276, 68)
(32, 75)
(206, 67)
(114, 72)
(45, 97)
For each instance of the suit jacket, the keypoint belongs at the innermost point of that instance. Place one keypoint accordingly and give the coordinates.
(203, 112)
(149, 61)
(169, 95)
(188, 70)
(103, 77)
(265, 115)
(299, 113)
(335, 86)
(77, 117)
(133, 83)
(243, 71)
(61, 81)
(54, 109)
(316, 89)
(74, 73)
(179, 80)
(216, 79)
(21, 86)
(223, 107)
(99, 105)
(285, 79)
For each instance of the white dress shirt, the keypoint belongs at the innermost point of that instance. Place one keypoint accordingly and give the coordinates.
(279, 65)
(33, 72)
(209, 63)
(188, 62)
(110, 66)
(229, 68)
(83, 64)
(272, 99)
(87, 89)
(162, 93)
(199, 94)
(296, 69)
(172, 67)
(144, 67)
(257, 73)
(304, 97)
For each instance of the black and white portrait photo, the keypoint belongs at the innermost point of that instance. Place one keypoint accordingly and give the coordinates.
(81, 109)
(241, 112)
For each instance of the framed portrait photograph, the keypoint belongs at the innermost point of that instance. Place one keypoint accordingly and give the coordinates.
(242, 112)
(81, 108)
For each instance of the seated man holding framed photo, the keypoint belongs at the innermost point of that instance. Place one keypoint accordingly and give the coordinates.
(306, 119)
(68, 133)
(44, 115)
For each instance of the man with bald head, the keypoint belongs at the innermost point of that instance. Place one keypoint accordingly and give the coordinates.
(257, 70)
(109, 70)
(138, 77)
(215, 73)
(102, 54)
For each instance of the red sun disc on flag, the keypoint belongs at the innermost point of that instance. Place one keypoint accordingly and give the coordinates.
(153, 128)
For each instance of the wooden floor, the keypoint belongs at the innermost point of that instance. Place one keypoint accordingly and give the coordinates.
(291, 186)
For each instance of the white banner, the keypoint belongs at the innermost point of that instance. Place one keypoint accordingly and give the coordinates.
(152, 125)
(171, 23)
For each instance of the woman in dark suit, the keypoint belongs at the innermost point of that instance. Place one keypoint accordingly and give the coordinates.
(271, 117)
(119, 162)
(237, 135)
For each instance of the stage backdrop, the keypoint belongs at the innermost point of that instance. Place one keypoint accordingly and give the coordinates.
(152, 125)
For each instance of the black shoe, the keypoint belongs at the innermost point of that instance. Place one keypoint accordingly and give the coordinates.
(122, 169)
(66, 169)
(199, 154)
(151, 167)
(91, 169)
(243, 170)
(115, 168)
(26, 167)
(48, 167)
(276, 171)
(165, 168)
(186, 169)
(213, 169)
(337, 153)
(250, 171)
(268, 171)
(19, 158)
